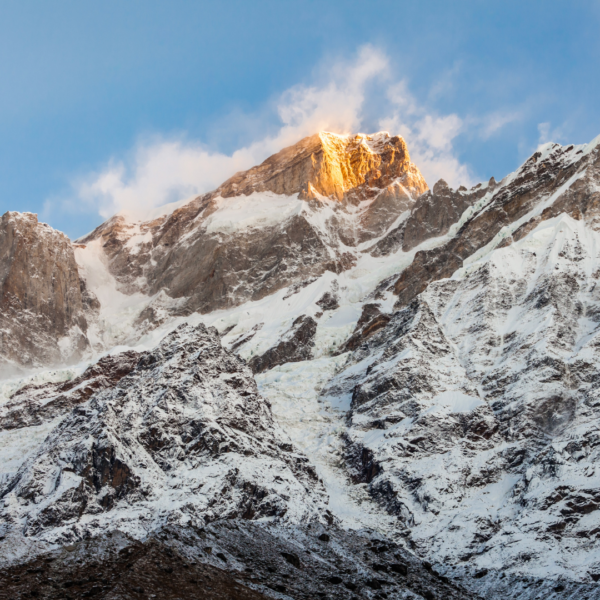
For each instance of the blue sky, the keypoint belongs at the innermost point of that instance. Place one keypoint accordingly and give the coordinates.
(127, 105)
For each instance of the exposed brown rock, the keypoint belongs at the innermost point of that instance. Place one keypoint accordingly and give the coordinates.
(433, 214)
(41, 300)
(370, 321)
(296, 345)
(328, 301)
(535, 182)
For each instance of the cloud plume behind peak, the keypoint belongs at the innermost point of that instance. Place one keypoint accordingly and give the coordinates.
(340, 98)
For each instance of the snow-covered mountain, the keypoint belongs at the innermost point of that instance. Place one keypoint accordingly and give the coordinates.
(416, 365)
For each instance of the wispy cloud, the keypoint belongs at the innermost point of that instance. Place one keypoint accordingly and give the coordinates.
(494, 122)
(160, 170)
(547, 133)
(429, 137)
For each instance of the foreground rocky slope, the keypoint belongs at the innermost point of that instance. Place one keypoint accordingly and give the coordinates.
(232, 559)
(184, 436)
(129, 482)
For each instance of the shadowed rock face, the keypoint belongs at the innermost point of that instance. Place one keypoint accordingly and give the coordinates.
(537, 181)
(41, 296)
(434, 212)
(438, 209)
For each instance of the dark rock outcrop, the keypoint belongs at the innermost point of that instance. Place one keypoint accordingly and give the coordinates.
(295, 345)
(234, 559)
(371, 320)
(434, 212)
(328, 301)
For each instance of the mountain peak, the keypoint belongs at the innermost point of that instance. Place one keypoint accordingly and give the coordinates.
(340, 167)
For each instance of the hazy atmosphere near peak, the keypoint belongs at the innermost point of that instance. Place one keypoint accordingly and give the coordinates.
(118, 105)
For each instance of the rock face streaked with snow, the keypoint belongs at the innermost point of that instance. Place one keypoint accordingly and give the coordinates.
(430, 354)
(474, 413)
(185, 435)
(42, 301)
(557, 180)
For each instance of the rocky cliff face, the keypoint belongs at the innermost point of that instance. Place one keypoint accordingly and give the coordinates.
(474, 415)
(297, 215)
(42, 300)
(340, 167)
(557, 180)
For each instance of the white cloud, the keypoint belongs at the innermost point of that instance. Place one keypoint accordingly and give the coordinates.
(159, 171)
(548, 134)
(163, 171)
(335, 105)
(429, 138)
